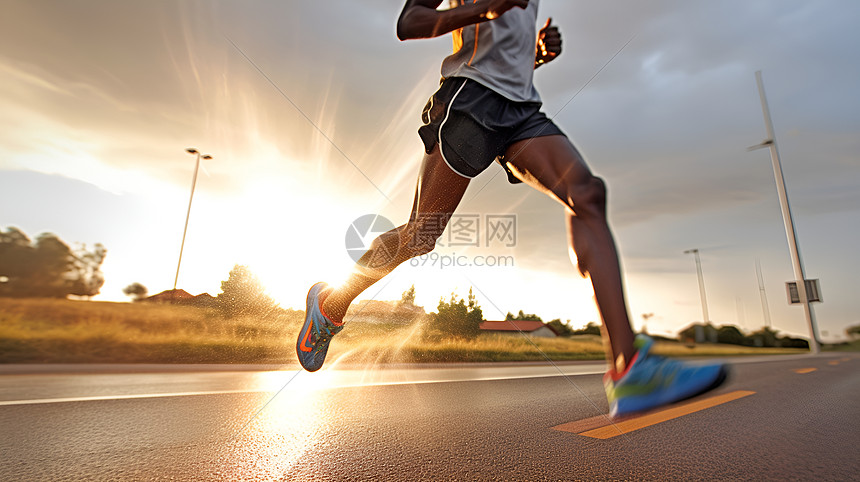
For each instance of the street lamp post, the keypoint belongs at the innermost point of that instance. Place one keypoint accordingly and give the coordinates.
(193, 151)
(790, 232)
(695, 253)
(762, 294)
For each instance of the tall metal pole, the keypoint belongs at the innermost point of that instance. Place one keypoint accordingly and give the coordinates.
(762, 294)
(701, 284)
(790, 232)
(190, 150)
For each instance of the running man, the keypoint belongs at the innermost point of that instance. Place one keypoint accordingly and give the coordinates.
(487, 109)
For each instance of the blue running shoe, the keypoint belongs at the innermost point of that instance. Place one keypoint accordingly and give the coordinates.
(651, 381)
(317, 331)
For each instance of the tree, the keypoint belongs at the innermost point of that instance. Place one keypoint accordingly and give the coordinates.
(52, 267)
(88, 278)
(731, 334)
(522, 316)
(561, 328)
(791, 342)
(474, 308)
(242, 293)
(47, 267)
(408, 297)
(136, 290)
(591, 328)
(765, 337)
(699, 333)
(16, 262)
(458, 318)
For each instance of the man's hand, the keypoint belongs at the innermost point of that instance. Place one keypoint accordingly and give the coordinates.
(548, 44)
(495, 8)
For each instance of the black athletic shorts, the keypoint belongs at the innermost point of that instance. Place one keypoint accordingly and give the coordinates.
(474, 125)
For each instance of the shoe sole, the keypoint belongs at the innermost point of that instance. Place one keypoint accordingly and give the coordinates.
(305, 326)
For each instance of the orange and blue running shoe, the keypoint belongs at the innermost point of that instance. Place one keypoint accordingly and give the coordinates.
(651, 381)
(317, 331)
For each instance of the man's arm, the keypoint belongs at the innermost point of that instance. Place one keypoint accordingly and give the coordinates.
(420, 19)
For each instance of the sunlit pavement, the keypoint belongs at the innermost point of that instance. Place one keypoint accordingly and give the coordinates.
(801, 422)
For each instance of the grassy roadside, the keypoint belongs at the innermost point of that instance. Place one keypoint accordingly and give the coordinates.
(849, 346)
(64, 331)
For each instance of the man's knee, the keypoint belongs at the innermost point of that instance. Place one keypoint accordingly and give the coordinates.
(415, 238)
(587, 197)
(406, 241)
(419, 240)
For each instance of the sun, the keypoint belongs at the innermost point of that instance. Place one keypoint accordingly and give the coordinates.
(289, 247)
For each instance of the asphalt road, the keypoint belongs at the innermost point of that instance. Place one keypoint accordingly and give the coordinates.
(792, 418)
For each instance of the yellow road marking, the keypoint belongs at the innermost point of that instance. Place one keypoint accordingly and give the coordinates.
(845, 359)
(804, 370)
(585, 424)
(602, 427)
(834, 362)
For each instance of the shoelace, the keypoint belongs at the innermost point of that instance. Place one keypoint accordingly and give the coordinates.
(321, 343)
(321, 336)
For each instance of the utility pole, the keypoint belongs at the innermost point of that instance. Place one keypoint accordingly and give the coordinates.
(695, 253)
(762, 294)
(791, 234)
(192, 151)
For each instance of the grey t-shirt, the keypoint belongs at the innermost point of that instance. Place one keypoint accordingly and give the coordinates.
(499, 54)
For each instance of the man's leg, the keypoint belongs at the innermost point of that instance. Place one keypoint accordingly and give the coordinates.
(639, 381)
(552, 165)
(437, 194)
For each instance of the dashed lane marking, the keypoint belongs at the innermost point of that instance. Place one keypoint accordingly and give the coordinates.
(602, 427)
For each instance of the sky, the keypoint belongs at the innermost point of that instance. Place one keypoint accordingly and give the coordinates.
(310, 110)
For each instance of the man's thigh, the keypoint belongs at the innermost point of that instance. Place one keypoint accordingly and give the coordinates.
(547, 163)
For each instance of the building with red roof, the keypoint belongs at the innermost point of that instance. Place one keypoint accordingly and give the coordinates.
(528, 327)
